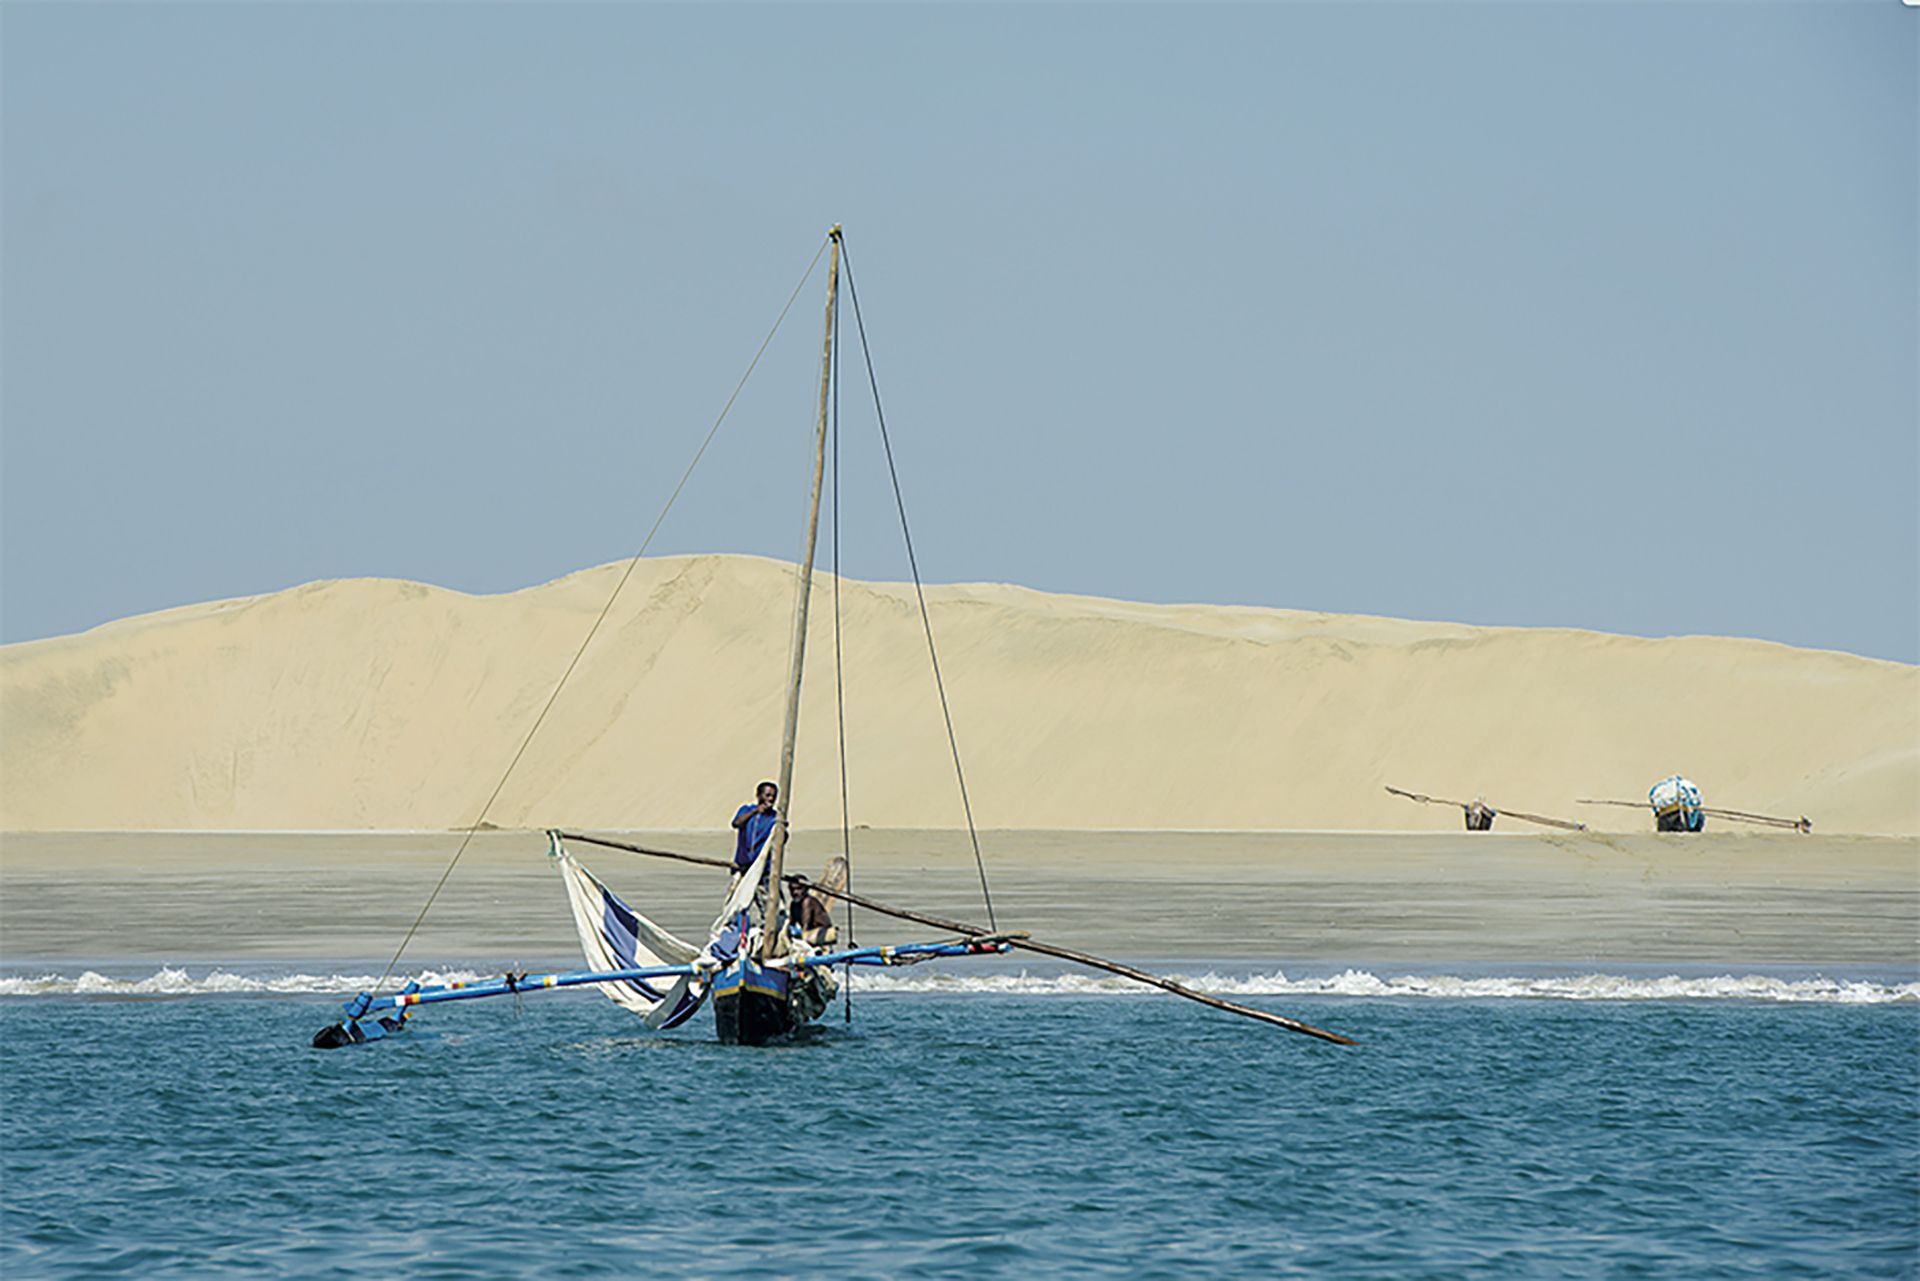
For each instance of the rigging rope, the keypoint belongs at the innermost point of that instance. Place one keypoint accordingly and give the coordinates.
(925, 619)
(594, 630)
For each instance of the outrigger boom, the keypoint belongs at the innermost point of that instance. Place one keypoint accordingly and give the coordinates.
(518, 984)
(1802, 824)
(1492, 811)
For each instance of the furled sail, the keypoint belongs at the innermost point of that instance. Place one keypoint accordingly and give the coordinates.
(615, 937)
(745, 887)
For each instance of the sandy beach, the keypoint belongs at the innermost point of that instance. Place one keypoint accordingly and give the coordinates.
(1737, 899)
(278, 778)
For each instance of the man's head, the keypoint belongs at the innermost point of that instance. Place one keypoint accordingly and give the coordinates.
(799, 889)
(766, 793)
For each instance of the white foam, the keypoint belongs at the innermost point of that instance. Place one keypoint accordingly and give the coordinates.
(1362, 983)
(169, 981)
(1817, 989)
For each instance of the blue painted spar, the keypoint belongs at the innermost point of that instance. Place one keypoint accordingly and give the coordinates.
(363, 1004)
(905, 954)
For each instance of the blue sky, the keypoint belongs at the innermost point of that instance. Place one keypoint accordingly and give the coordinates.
(1588, 315)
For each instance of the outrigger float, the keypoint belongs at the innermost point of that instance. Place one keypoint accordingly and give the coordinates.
(763, 975)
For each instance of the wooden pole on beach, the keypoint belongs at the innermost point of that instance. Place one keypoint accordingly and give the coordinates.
(1541, 819)
(1019, 941)
(1803, 824)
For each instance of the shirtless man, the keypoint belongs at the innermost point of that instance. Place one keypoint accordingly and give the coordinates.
(811, 915)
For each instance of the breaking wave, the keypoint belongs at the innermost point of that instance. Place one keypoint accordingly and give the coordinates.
(169, 981)
(1816, 989)
(1363, 983)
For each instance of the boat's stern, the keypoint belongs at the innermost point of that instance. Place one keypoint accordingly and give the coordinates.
(750, 1003)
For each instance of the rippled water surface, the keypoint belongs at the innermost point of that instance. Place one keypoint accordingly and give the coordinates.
(977, 1132)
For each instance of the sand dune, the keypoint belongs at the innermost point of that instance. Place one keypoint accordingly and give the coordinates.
(381, 704)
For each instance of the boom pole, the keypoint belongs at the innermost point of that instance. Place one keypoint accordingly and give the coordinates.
(983, 934)
(1803, 824)
(770, 933)
(1541, 819)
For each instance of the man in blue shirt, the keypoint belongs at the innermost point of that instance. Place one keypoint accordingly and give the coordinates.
(752, 823)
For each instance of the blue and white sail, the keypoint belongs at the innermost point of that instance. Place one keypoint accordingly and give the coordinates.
(615, 937)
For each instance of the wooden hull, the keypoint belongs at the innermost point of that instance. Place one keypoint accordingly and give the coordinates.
(750, 1005)
(750, 1019)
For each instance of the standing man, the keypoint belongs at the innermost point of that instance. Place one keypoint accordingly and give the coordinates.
(753, 823)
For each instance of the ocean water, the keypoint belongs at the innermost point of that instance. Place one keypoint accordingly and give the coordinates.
(1632, 1124)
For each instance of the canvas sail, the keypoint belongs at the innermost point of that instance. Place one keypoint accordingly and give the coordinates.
(746, 886)
(615, 937)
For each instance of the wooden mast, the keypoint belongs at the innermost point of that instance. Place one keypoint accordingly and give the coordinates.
(771, 934)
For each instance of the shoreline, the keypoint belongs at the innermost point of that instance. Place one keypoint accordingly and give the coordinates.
(832, 834)
(1777, 899)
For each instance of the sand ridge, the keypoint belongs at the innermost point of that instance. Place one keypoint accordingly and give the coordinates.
(373, 703)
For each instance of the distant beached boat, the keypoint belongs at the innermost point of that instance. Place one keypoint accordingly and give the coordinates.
(1678, 806)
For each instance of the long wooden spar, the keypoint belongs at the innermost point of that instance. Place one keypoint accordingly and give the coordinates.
(1541, 819)
(980, 931)
(1802, 824)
